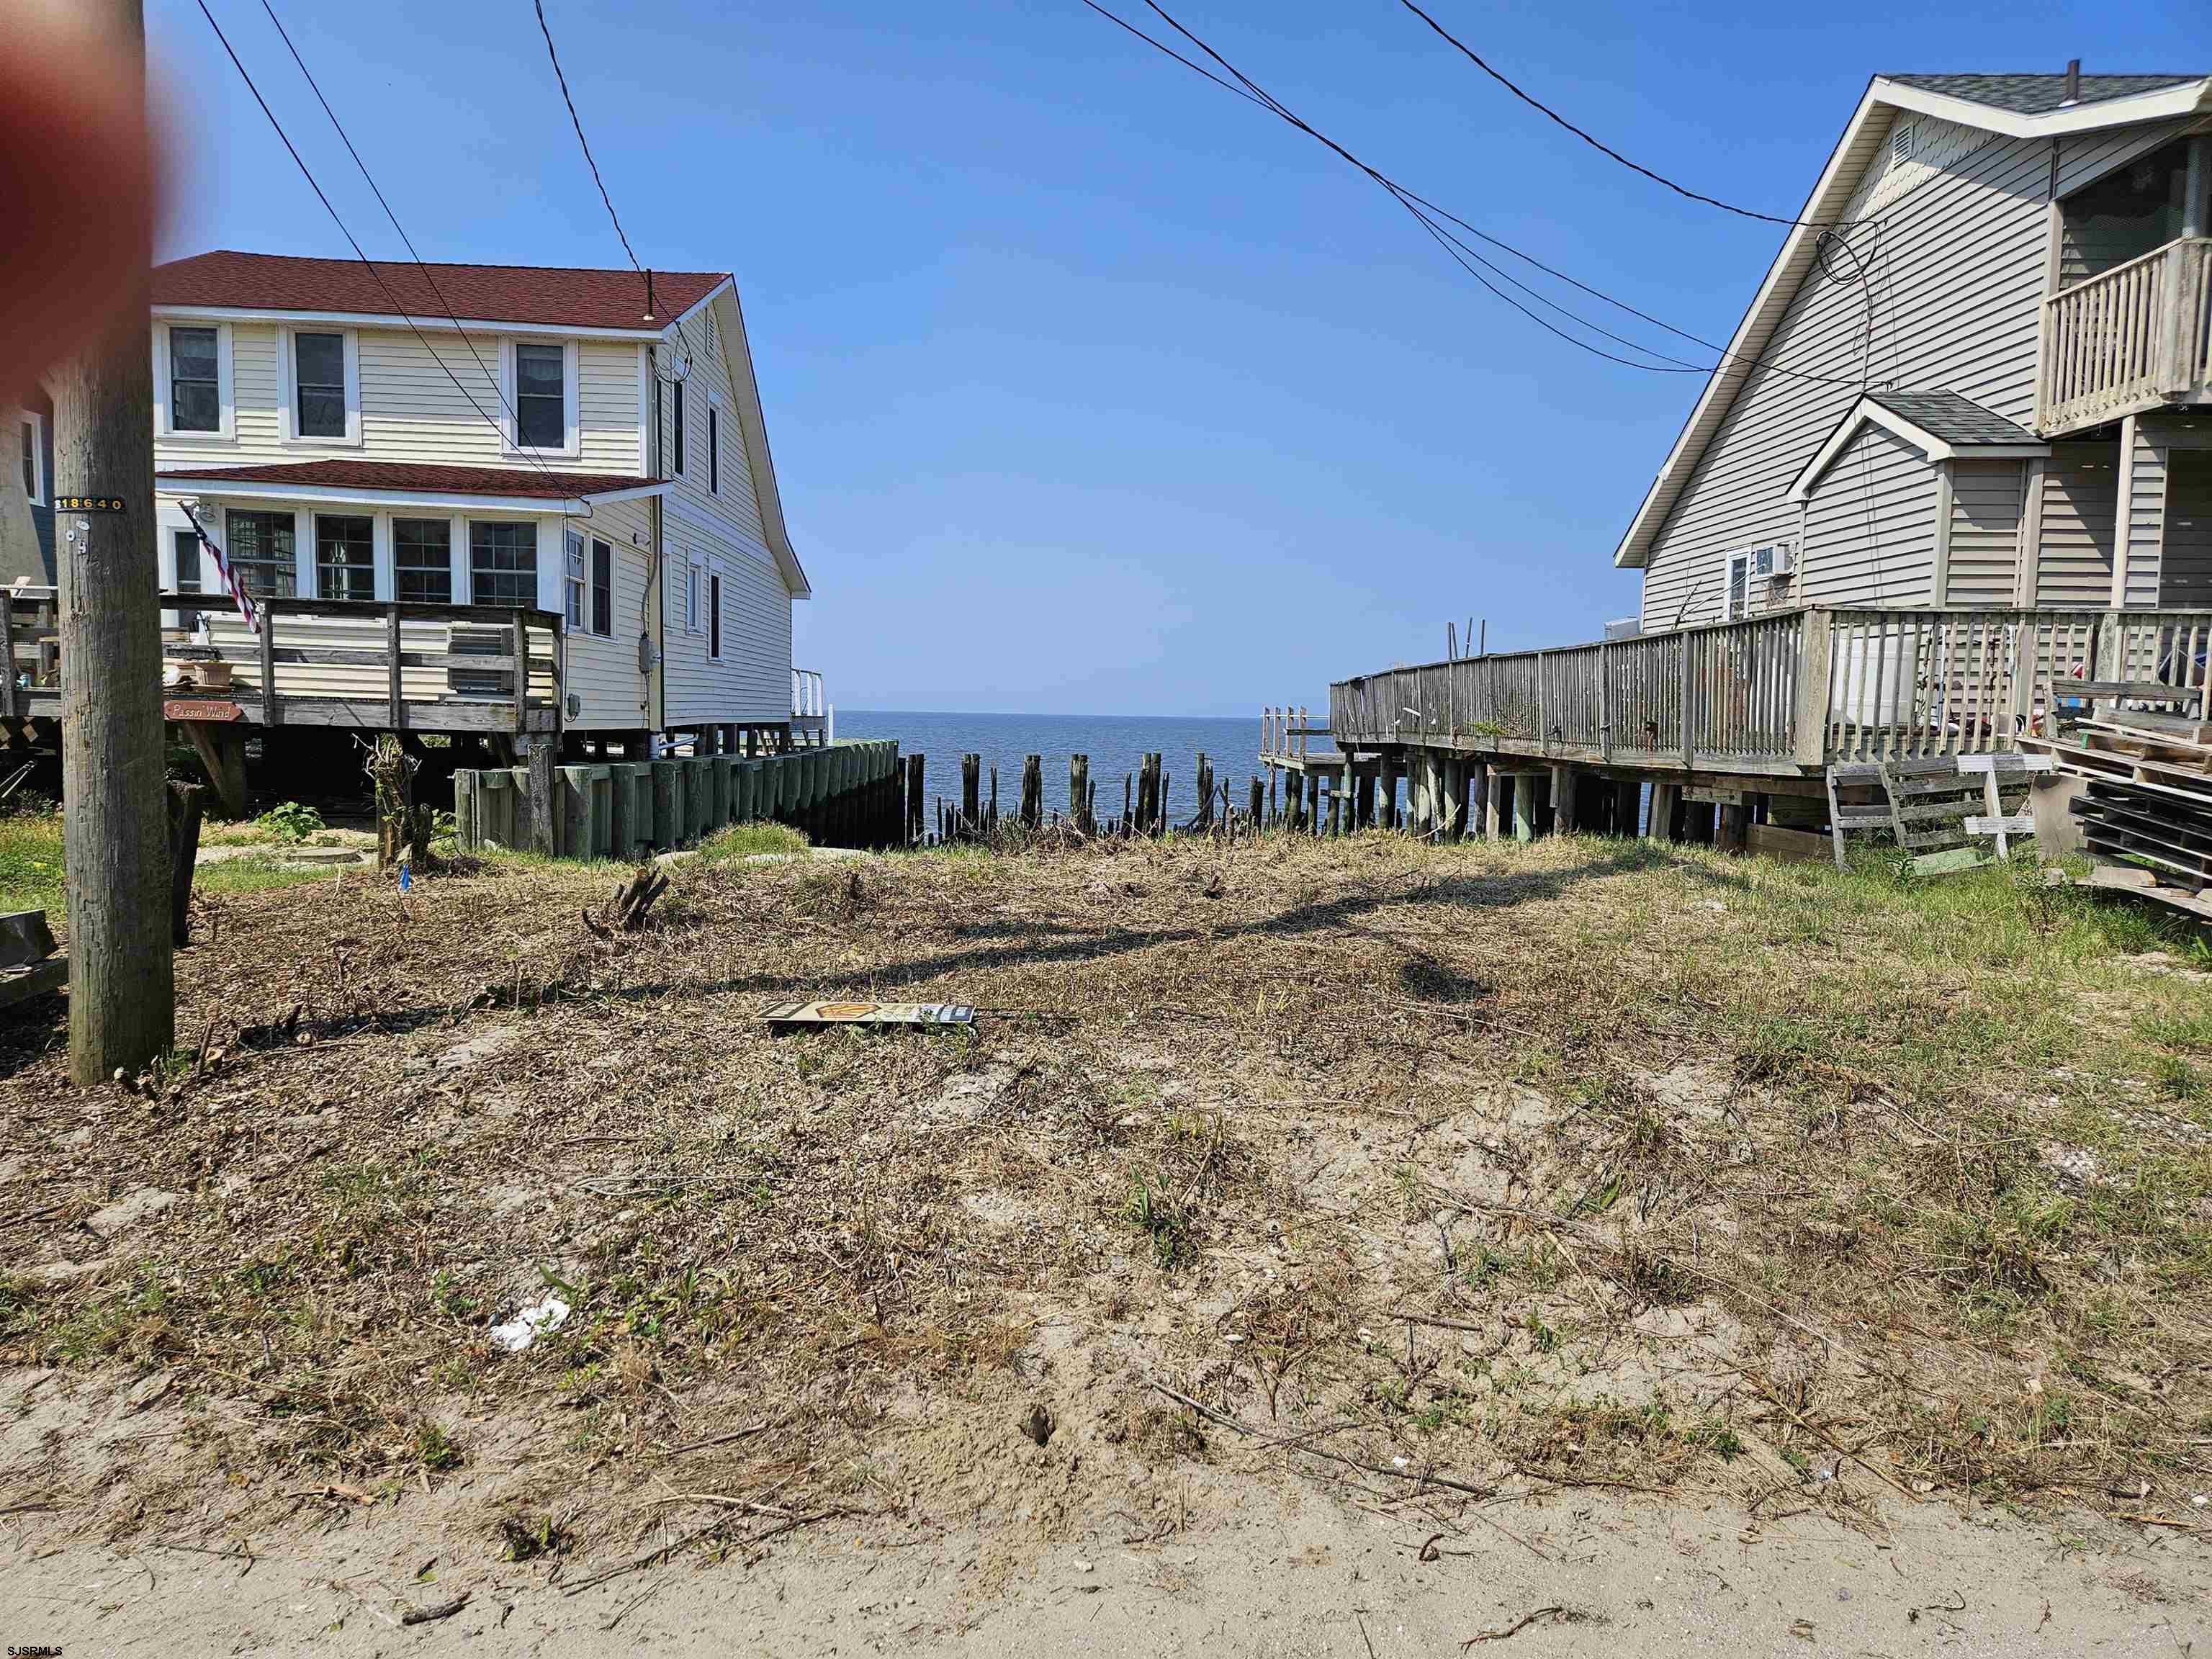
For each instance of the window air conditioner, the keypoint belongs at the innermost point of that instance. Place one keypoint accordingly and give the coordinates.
(1773, 562)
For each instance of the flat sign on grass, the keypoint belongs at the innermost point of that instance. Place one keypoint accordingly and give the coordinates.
(786, 1015)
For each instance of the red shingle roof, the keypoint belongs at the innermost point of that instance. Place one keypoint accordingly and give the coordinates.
(563, 297)
(517, 481)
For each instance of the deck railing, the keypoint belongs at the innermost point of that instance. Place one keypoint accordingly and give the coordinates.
(2127, 339)
(1788, 692)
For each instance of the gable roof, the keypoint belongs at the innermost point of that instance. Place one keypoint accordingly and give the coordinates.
(554, 296)
(2039, 94)
(1941, 425)
(2166, 97)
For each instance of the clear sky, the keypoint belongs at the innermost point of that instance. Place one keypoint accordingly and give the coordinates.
(1092, 389)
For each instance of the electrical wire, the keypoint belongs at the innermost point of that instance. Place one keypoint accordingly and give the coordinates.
(577, 121)
(307, 174)
(1537, 104)
(428, 276)
(1245, 87)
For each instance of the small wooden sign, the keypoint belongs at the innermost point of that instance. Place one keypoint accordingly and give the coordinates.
(201, 708)
(90, 504)
(786, 1015)
(1714, 794)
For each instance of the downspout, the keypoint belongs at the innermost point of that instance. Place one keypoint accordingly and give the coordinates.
(656, 714)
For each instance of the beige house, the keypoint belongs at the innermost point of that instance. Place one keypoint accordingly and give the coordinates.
(399, 456)
(1978, 373)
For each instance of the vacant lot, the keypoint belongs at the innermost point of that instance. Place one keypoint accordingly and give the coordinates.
(1359, 1179)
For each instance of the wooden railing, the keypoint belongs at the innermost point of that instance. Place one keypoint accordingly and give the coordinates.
(2127, 339)
(1789, 692)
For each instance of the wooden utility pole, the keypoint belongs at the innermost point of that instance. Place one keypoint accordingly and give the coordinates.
(115, 816)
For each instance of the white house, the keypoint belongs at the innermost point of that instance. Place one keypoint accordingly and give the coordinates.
(587, 443)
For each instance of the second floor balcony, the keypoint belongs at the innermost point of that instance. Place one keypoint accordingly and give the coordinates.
(2135, 338)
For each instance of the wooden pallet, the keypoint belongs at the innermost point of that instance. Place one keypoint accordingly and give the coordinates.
(1940, 809)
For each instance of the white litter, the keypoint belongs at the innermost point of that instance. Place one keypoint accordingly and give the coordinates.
(520, 1332)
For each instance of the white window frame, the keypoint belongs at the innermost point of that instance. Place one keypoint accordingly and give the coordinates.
(41, 491)
(572, 429)
(717, 633)
(591, 545)
(1729, 561)
(288, 372)
(695, 596)
(576, 580)
(225, 431)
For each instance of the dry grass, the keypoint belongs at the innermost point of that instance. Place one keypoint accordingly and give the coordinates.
(1580, 1163)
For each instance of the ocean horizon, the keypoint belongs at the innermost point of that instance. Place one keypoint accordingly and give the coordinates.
(1116, 745)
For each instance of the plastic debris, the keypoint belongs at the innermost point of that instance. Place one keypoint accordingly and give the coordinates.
(520, 1332)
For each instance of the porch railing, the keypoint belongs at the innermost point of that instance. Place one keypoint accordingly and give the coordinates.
(1788, 692)
(2127, 339)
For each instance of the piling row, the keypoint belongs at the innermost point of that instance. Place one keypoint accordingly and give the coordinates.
(847, 794)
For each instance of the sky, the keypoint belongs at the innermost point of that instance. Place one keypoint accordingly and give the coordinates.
(1092, 388)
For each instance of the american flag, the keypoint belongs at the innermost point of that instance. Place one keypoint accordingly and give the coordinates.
(247, 608)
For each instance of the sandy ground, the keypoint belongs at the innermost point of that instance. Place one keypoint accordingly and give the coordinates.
(1264, 1571)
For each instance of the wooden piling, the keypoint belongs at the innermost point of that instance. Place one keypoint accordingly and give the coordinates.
(1564, 821)
(1079, 793)
(1258, 807)
(1033, 793)
(544, 811)
(971, 804)
(916, 799)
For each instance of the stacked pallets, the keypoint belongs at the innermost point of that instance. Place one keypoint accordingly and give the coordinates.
(2145, 798)
(1943, 813)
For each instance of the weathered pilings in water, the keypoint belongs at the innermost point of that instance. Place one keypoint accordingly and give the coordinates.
(1033, 793)
(1082, 798)
(853, 795)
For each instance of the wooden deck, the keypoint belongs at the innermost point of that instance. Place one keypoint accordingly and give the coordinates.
(1783, 695)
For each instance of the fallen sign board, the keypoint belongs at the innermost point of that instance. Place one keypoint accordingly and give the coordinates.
(785, 1016)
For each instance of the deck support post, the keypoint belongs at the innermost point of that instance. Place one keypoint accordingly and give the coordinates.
(544, 813)
(621, 811)
(1524, 806)
(1478, 798)
(1815, 668)
(576, 812)
(1664, 798)
(667, 805)
(1729, 828)
(1494, 787)
(1627, 806)
(1563, 799)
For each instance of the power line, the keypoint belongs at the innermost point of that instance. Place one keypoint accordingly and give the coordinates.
(1422, 207)
(1537, 104)
(428, 276)
(577, 121)
(307, 174)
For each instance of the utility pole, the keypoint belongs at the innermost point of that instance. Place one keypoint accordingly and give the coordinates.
(121, 992)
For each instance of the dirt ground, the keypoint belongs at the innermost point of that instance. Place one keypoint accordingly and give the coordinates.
(1345, 1248)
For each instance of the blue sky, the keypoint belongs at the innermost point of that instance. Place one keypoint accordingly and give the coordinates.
(1092, 388)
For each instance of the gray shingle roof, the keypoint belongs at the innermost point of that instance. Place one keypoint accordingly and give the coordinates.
(2038, 94)
(1947, 416)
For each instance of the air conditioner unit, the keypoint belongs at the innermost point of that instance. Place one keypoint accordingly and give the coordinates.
(1774, 563)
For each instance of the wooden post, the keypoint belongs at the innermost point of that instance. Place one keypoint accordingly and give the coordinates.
(272, 708)
(1665, 797)
(1363, 799)
(545, 820)
(1257, 808)
(1079, 796)
(1815, 666)
(1494, 787)
(1293, 799)
(185, 800)
(1386, 788)
(1204, 819)
(621, 811)
(1524, 806)
(1033, 793)
(971, 804)
(521, 646)
(391, 666)
(1477, 800)
(1563, 800)
(466, 792)
(917, 773)
(8, 653)
(1627, 806)
(1729, 828)
(576, 812)
(122, 1002)
(667, 828)
(1689, 699)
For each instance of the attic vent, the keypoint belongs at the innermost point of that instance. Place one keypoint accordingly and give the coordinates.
(1904, 141)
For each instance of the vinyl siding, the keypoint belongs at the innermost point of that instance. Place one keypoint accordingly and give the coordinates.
(412, 410)
(2187, 576)
(1870, 525)
(2145, 511)
(1986, 498)
(2080, 487)
(1957, 279)
(751, 682)
(604, 672)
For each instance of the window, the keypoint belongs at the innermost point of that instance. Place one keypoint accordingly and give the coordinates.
(541, 396)
(34, 458)
(318, 386)
(503, 562)
(578, 597)
(713, 450)
(423, 560)
(1737, 599)
(345, 556)
(714, 618)
(195, 380)
(187, 545)
(675, 422)
(694, 580)
(261, 553)
(603, 589)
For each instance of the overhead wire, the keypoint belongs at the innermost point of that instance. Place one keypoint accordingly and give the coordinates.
(1428, 213)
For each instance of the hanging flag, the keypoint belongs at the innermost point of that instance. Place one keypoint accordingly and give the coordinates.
(247, 608)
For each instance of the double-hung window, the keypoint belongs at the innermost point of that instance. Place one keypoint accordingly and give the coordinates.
(195, 379)
(715, 617)
(186, 544)
(503, 562)
(423, 560)
(579, 588)
(675, 424)
(34, 458)
(693, 604)
(713, 450)
(345, 556)
(318, 386)
(1737, 599)
(541, 396)
(261, 546)
(603, 588)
